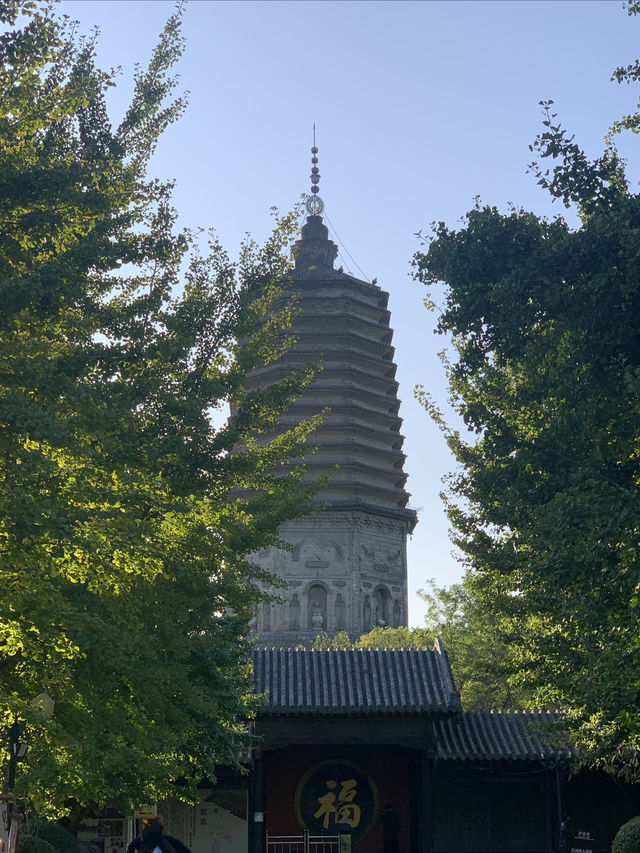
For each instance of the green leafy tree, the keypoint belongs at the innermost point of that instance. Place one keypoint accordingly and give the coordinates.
(126, 521)
(546, 376)
(378, 638)
(340, 640)
(627, 838)
(396, 638)
(480, 661)
(41, 836)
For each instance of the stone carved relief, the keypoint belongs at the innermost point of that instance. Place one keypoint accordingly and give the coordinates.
(317, 550)
(317, 607)
(294, 613)
(381, 607)
(376, 524)
(380, 524)
(320, 555)
(394, 559)
(379, 558)
(266, 615)
(366, 614)
(368, 555)
(397, 614)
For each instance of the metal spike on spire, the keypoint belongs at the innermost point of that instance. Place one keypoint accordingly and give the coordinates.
(315, 205)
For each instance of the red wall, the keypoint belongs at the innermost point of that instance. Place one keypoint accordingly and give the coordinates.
(389, 768)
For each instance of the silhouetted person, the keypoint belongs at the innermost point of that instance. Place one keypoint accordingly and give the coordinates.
(153, 837)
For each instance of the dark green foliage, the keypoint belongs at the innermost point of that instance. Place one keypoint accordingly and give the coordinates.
(546, 377)
(480, 660)
(378, 638)
(43, 836)
(33, 844)
(627, 838)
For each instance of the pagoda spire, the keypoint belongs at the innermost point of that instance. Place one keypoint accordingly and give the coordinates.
(315, 205)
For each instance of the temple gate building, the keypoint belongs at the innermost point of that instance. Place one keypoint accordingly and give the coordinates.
(342, 732)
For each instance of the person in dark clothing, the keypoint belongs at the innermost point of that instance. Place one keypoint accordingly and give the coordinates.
(153, 840)
(153, 836)
(391, 824)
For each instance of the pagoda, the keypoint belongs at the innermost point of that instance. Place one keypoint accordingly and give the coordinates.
(346, 569)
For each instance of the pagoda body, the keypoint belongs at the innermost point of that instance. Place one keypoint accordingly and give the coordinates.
(347, 567)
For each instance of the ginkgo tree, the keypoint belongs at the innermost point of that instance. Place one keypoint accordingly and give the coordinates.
(125, 518)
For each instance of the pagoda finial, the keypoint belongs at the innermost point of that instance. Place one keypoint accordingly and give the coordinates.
(314, 252)
(315, 205)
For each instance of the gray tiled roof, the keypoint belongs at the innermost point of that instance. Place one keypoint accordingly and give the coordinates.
(355, 681)
(498, 736)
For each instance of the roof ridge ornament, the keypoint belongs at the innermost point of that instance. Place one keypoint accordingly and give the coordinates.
(314, 203)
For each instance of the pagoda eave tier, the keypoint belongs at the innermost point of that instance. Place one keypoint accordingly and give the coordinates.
(349, 413)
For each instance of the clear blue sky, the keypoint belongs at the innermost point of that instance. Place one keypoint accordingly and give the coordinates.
(419, 107)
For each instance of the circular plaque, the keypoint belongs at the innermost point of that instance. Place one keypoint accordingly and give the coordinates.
(314, 205)
(336, 796)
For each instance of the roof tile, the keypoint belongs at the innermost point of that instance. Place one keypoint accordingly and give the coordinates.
(355, 681)
(499, 735)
